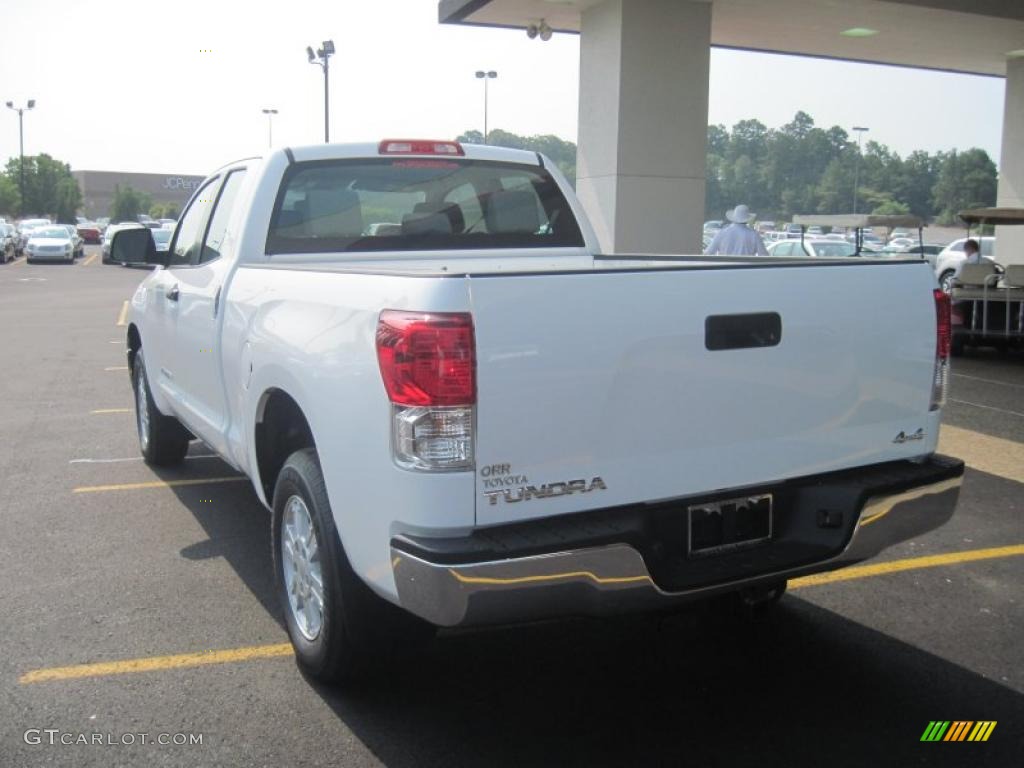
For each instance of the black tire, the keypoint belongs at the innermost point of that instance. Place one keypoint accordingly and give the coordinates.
(956, 346)
(163, 442)
(359, 633)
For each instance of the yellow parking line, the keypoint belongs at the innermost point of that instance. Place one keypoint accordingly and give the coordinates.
(122, 319)
(89, 260)
(994, 455)
(909, 564)
(19, 261)
(157, 484)
(111, 410)
(178, 661)
(247, 653)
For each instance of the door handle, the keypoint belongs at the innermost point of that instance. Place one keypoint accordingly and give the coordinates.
(172, 293)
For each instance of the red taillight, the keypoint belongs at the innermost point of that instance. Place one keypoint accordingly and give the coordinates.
(427, 359)
(420, 147)
(943, 324)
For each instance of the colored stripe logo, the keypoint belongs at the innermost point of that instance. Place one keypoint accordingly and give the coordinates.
(958, 730)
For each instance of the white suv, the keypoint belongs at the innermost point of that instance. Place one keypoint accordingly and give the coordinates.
(952, 256)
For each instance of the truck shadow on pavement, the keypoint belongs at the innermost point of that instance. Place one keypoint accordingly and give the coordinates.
(701, 687)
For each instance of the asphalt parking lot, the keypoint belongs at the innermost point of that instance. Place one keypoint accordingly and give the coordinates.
(164, 589)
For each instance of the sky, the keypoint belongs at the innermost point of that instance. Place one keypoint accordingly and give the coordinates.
(179, 87)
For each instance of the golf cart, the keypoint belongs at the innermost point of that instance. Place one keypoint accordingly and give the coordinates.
(988, 299)
(858, 222)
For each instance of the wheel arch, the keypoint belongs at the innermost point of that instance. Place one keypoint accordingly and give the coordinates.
(280, 428)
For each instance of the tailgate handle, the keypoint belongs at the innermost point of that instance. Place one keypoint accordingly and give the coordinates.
(758, 329)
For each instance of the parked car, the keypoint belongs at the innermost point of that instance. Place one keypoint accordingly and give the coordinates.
(450, 432)
(168, 223)
(953, 255)
(8, 243)
(162, 238)
(76, 239)
(90, 232)
(817, 247)
(929, 251)
(904, 242)
(712, 226)
(108, 235)
(53, 243)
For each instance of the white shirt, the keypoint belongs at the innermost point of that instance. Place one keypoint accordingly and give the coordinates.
(974, 258)
(737, 240)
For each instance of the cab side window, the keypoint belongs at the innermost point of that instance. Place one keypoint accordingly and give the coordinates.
(221, 215)
(189, 235)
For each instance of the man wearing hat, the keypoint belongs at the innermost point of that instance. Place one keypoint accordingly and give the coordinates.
(737, 239)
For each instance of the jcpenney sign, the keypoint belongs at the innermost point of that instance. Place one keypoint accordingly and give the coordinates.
(180, 182)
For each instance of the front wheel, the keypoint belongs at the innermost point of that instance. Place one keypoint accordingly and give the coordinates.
(340, 630)
(946, 280)
(162, 440)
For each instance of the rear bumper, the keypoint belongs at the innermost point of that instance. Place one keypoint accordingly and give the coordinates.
(459, 582)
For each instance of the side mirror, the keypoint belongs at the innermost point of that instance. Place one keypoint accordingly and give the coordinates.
(134, 247)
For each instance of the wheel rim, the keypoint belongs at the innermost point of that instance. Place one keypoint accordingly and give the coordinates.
(142, 411)
(947, 283)
(303, 577)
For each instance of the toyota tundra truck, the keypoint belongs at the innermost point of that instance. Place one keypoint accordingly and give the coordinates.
(460, 412)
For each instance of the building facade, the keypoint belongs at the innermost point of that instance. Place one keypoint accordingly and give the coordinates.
(98, 188)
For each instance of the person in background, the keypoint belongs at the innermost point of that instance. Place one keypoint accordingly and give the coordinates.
(972, 252)
(737, 239)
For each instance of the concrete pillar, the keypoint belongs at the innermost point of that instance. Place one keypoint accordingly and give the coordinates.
(644, 67)
(1010, 242)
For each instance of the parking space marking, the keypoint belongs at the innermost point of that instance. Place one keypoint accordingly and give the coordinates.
(157, 484)
(987, 407)
(994, 455)
(116, 368)
(909, 564)
(19, 261)
(89, 260)
(110, 410)
(152, 663)
(989, 381)
(138, 458)
(122, 319)
(248, 653)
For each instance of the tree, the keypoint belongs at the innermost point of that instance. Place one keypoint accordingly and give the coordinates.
(50, 189)
(164, 210)
(10, 200)
(128, 203)
(562, 152)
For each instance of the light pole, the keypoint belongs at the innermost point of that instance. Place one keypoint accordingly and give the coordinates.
(485, 76)
(21, 146)
(270, 125)
(856, 173)
(320, 58)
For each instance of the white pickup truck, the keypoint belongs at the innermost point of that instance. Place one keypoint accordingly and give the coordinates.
(459, 412)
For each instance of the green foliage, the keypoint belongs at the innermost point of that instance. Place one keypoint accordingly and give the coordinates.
(800, 168)
(562, 152)
(128, 203)
(50, 189)
(164, 210)
(10, 200)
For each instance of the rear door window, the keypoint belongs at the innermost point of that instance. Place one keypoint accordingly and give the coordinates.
(405, 204)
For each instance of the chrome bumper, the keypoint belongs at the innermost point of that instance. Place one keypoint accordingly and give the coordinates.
(615, 578)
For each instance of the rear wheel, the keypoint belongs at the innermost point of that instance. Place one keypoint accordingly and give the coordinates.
(339, 628)
(162, 440)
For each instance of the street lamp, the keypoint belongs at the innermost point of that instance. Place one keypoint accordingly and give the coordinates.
(485, 76)
(856, 173)
(21, 145)
(270, 125)
(320, 57)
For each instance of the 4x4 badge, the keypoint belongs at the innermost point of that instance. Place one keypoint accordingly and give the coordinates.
(903, 437)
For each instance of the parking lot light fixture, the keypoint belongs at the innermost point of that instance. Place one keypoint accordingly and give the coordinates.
(856, 172)
(30, 104)
(485, 75)
(320, 58)
(270, 125)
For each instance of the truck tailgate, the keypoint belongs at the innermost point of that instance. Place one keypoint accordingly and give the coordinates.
(606, 377)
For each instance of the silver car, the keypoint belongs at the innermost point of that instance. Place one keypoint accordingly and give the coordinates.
(52, 243)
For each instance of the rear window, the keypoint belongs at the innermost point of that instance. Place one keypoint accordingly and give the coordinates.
(406, 204)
